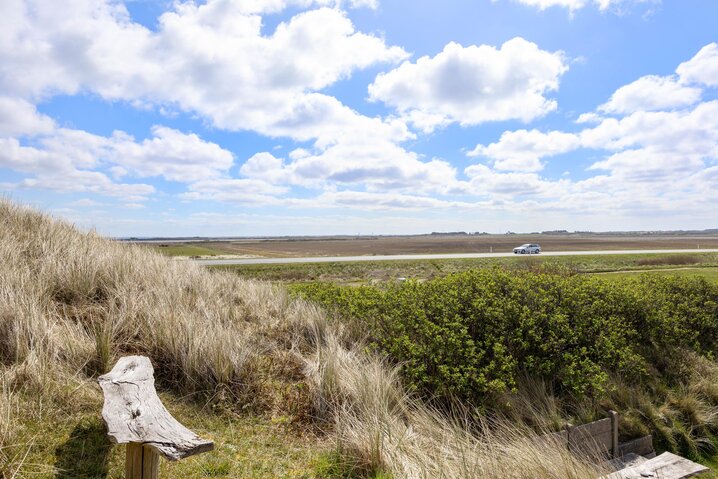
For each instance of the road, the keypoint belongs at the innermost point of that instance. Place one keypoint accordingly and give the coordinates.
(402, 257)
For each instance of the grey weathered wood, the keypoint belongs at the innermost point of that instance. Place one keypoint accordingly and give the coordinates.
(614, 434)
(134, 413)
(665, 466)
(594, 438)
(643, 446)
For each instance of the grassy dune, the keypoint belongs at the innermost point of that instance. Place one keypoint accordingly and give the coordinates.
(283, 390)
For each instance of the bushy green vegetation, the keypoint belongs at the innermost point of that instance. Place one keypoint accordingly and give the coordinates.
(476, 335)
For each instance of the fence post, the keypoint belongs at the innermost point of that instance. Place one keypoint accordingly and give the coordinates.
(614, 433)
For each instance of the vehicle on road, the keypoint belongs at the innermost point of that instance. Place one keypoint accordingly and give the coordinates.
(528, 249)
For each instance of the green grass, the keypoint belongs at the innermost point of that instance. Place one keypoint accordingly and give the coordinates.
(68, 443)
(185, 250)
(709, 273)
(370, 272)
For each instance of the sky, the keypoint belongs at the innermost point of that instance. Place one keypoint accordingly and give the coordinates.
(311, 117)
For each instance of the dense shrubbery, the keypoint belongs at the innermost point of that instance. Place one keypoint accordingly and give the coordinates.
(471, 335)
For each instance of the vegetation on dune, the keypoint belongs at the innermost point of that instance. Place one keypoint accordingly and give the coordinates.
(226, 351)
(643, 346)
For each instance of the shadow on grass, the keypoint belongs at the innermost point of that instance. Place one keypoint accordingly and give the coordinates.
(85, 454)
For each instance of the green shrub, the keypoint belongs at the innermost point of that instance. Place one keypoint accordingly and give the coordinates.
(471, 335)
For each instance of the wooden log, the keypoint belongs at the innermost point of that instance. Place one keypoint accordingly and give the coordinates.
(134, 413)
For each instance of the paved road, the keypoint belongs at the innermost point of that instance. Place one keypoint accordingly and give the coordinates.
(394, 257)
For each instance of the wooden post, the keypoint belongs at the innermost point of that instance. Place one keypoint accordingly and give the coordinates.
(614, 433)
(141, 462)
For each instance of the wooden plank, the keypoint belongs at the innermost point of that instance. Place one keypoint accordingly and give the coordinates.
(665, 466)
(593, 428)
(642, 446)
(134, 413)
(595, 438)
(553, 439)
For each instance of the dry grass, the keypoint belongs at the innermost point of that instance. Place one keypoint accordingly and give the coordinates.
(670, 260)
(72, 303)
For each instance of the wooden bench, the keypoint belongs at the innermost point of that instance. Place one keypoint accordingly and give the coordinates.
(135, 416)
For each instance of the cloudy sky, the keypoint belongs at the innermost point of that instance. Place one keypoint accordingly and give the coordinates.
(257, 117)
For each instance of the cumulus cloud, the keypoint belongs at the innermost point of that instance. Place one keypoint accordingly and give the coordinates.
(211, 59)
(234, 190)
(522, 150)
(474, 84)
(174, 155)
(66, 160)
(702, 68)
(19, 117)
(571, 4)
(659, 154)
(651, 93)
(363, 162)
(687, 136)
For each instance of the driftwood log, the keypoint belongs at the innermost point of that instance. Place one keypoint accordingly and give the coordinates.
(135, 416)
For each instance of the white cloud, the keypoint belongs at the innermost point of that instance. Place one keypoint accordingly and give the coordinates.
(589, 117)
(702, 68)
(651, 93)
(685, 136)
(210, 58)
(244, 191)
(522, 150)
(363, 162)
(544, 4)
(483, 181)
(473, 85)
(376, 201)
(573, 4)
(19, 118)
(171, 154)
(67, 160)
(658, 156)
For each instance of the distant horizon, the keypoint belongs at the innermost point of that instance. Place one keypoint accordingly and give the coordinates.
(708, 231)
(327, 117)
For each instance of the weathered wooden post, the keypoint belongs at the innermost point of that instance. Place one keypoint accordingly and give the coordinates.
(135, 416)
(614, 434)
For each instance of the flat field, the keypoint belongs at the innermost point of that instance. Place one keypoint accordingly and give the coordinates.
(427, 244)
(371, 272)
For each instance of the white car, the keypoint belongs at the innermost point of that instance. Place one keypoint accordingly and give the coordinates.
(528, 249)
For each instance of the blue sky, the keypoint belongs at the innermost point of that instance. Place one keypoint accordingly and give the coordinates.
(276, 117)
